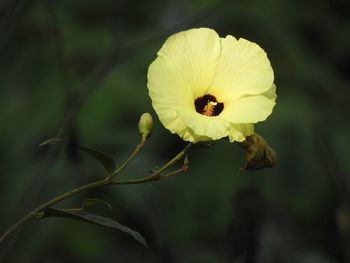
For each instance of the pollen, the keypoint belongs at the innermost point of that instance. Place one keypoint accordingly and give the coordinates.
(208, 105)
(209, 108)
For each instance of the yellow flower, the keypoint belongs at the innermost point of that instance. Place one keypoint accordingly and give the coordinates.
(204, 87)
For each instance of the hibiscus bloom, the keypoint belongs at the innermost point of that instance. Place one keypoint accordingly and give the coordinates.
(204, 87)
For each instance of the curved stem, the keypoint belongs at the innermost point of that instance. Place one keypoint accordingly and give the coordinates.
(51, 202)
(18, 224)
(131, 157)
(106, 181)
(157, 174)
(152, 178)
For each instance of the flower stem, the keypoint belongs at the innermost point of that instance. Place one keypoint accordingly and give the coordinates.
(106, 181)
(131, 157)
(151, 177)
(53, 201)
(156, 175)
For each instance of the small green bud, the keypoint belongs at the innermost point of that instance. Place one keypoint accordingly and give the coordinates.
(258, 153)
(145, 125)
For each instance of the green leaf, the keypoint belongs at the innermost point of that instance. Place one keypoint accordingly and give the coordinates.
(94, 219)
(105, 159)
(93, 201)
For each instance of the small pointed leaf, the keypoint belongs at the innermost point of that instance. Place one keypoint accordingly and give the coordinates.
(155, 168)
(93, 201)
(105, 159)
(94, 219)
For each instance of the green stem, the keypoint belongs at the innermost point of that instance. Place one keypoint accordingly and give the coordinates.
(131, 157)
(106, 181)
(151, 178)
(53, 201)
(157, 174)
(178, 157)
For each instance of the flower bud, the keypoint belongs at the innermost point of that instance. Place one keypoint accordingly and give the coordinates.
(145, 125)
(258, 153)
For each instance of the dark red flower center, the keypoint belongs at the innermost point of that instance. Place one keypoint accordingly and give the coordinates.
(208, 105)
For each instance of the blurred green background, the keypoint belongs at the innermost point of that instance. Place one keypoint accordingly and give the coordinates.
(77, 69)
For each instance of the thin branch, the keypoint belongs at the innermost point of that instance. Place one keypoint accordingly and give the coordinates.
(157, 175)
(131, 157)
(106, 181)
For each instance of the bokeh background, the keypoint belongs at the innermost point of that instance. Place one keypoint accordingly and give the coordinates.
(77, 69)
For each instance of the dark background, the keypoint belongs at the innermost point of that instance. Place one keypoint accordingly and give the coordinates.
(77, 69)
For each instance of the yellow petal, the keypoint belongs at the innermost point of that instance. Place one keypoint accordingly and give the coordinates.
(243, 68)
(173, 123)
(166, 87)
(239, 132)
(204, 127)
(250, 109)
(197, 62)
(184, 67)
